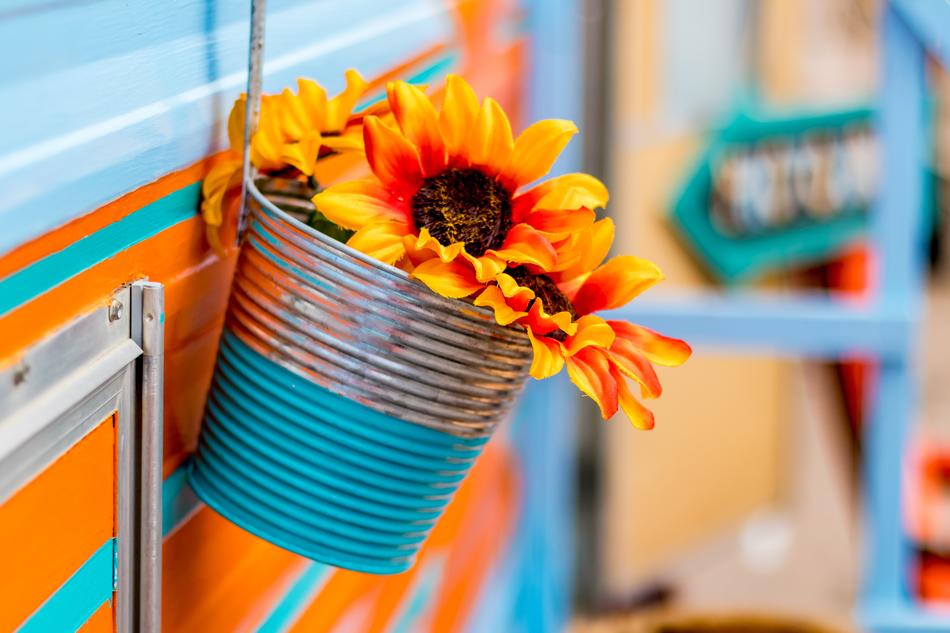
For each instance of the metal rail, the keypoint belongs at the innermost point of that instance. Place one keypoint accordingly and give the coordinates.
(150, 516)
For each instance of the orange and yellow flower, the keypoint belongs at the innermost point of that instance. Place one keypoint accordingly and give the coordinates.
(450, 200)
(295, 132)
(446, 199)
(557, 310)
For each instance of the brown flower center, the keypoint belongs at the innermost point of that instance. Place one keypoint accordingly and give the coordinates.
(546, 290)
(464, 205)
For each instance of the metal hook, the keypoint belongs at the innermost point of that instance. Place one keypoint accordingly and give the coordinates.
(252, 110)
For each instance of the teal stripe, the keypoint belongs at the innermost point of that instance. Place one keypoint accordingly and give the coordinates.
(442, 65)
(78, 598)
(298, 598)
(178, 499)
(49, 272)
(436, 69)
(421, 598)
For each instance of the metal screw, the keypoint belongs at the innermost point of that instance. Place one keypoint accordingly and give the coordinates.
(115, 310)
(19, 375)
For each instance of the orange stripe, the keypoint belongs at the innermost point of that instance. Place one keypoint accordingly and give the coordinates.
(217, 577)
(102, 621)
(344, 591)
(49, 528)
(172, 252)
(477, 547)
(75, 230)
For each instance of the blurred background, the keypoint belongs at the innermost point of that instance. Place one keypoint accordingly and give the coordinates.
(739, 143)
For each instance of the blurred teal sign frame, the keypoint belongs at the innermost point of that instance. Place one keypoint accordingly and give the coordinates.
(744, 242)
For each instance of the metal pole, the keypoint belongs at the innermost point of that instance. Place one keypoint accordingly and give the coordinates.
(253, 104)
(150, 518)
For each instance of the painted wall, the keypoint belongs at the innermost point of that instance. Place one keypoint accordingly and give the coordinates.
(112, 123)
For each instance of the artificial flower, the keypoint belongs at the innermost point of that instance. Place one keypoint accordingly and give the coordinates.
(446, 198)
(295, 132)
(557, 309)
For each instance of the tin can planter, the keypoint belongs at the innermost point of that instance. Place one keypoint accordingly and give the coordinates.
(348, 401)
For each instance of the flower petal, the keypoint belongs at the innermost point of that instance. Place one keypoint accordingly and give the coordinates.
(425, 242)
(345, 142)
(536, 149)
(525, 245)
(268, 141)
(293, 116)
(486, 267)
(594, 194)
(489, 141)
(548, 359)
(339, 107)
(303, 154)
(543, 323)
(314, 100)
(391, 156)
(382, 240)
(493, 298)
(581, 253)
(517, 296)
(635, 365)
(453, 279)
(592, 331)
(615, 283)
(659, 349)
(561, 222)
(590, 371)
(457, 119)
(222, 183)
(419, 123)
(358, 203)
(638, 415)
(236, 124)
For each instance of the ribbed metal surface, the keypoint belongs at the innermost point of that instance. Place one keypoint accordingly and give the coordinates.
(317, 473)
(364, 330)
(349, 401)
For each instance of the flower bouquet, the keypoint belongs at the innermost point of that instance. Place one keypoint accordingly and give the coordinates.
(357, 382)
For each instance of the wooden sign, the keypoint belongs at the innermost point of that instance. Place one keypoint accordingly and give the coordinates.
(779, 193)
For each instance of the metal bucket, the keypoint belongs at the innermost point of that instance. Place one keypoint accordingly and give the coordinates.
(348, 401)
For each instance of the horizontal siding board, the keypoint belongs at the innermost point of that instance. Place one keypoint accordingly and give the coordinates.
(148, 104)
(49, 272)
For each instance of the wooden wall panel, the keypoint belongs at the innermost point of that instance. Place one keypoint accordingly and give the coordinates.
(49, 528)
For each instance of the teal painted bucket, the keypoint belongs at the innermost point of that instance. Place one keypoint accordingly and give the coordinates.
(348, 402)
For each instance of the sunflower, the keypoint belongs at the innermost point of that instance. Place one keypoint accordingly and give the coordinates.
(557, 310)
(448, 201)
(295, 132)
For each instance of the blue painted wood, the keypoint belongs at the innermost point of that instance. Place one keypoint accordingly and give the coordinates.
(898, 236)
(930, 22)
(121, 93)
(800, 325)
(47, 273)
(79, 597)
(904, 618)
